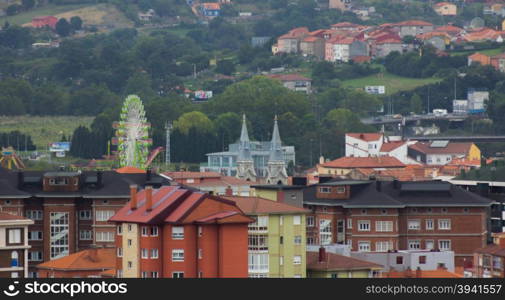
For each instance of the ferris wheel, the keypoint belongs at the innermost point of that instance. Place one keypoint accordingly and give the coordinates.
(132, 134)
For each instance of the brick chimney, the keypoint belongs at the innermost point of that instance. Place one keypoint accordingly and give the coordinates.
(149, 198)
(418, 272)
(501, 242)
(228, 191)
(93, 254)
(133, 197)
(322, 254)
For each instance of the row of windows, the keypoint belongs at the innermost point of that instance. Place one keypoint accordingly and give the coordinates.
(101, 215)
(428, 210)
(384, 246)
(443, 224)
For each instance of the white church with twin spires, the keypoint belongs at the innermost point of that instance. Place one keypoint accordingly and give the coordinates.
(262, 162)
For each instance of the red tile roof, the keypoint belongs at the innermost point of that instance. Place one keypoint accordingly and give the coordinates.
(389, 41)
(451, 29)
(257, 205)
(364, 162)
(130, 170)
(89, 259)
(439, 4)
(7, 216)
(170, 204)
(295, 33)
(335, 262)
(211, 6)
(368, 137)
(311, 39)
(345, 25)
(361, 59)
(451, 148)
(390, 146)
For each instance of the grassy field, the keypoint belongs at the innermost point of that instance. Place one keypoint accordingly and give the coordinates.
(99, 15)
(44, 130)
(392, 82)
(47, 10)
(486, 52)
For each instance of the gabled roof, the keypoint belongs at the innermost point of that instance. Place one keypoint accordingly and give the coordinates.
(89, 259)
(295, 33)
(390, 146)
(364, 162)
(258, 205)
(368, 137)
(345, 25)
(451, 148)
(172, 204)
(336, 262)
(451, 29)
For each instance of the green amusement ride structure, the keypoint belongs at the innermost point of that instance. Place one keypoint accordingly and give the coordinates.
(132, 134)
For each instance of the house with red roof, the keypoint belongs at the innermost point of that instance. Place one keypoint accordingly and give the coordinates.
(210, 9)
(489, 261)
(290, 42)
(413, 27)
(14, 246)
(294, 82)
(344, 49)
(324, 264)
(443, 152)
(83, 264)
(451, 30)
(40, 22)
(313, 46)
(374, 145)
(175, 232)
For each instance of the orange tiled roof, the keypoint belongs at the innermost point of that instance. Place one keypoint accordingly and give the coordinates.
(257, 205)
(311, 39)
(89, 259)
(451, 148)
(295, 33)
(365, 162)
(334, 262)
(345, 25)
(130, 170)
(390, 146)
(429, 35)
(211, 6)
(449, 29)
(368, 137)
(439, 4)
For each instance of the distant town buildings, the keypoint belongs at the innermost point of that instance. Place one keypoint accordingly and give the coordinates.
(41, 22)
(489, 261)
(443, 152)
(294, 82)
(213, 182)
(210, 9)
(445, 8)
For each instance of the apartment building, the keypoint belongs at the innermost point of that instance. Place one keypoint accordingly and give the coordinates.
(173, 232)
(70, 210)
(443, 152)
(489, 261)
(14, 247)
(276, 238)
(382, 216)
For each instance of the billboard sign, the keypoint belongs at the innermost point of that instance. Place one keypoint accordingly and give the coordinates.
(59, 147)
(203, 95)
(375, 89)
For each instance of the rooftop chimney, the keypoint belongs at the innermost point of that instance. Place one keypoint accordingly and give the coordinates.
(99, 178)
(133, 197)
(149, 198)
(378, 186)
(21, 179)
(228, 191)
(93, 254)
(322, 254)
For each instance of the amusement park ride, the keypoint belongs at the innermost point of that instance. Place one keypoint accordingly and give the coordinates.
(9, 159)
(132, 136)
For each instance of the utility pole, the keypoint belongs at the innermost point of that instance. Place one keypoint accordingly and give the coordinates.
(168, 127)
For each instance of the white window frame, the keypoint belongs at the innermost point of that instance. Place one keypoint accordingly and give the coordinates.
(119, 252)
(310, 220)
(444, 224)
(364, 225)
(411, 222)
(177, 232)
(155, 231)
(297, 259)
(410, 243)
(440, 242)
(85, 235)
(384, 226)
(430, 224)
(154, 253)
(178, 255)
(297, 220)
(364, 246)
(85, 215)
(144, 253)
(103, 215)
(349, 223)
(145, 231)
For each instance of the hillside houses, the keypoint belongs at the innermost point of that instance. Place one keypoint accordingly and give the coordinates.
(346, 41)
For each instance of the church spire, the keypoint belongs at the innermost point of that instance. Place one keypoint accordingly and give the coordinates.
(276, 144)
(244, 146)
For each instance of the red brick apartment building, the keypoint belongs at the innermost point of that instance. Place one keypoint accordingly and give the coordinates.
(70, 210)
(173, 232)
(382, 216)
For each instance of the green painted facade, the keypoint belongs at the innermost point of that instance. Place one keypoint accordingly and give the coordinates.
(282, 248)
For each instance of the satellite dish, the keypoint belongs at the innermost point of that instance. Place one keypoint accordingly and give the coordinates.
(477, 23)
(437, 42)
